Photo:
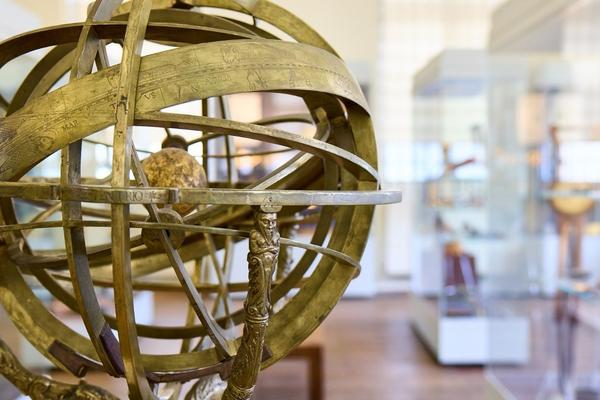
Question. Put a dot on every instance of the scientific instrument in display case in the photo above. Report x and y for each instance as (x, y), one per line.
(461, 252)
(166, 210)
(555, 130)
(564, 361)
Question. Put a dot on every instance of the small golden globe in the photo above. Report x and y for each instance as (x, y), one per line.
(173, 167)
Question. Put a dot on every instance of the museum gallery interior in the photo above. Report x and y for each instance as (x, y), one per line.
(300, 199)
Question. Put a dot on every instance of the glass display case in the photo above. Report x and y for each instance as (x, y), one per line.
(555, 134)
(450, 118)
(504, 146)
(565, 328)
(460, 248)
(505, 154)
(565, 347)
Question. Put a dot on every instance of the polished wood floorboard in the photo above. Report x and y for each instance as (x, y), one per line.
(371, 353)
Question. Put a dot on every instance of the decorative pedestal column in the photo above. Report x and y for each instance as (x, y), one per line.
(262, 262)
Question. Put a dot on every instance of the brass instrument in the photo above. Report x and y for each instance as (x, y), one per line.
(187, 217)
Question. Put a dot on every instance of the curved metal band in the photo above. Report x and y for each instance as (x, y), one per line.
(126, 89)
(166, 79)
(273, 14)
(44, 328)
(179, 17)
(326, 150)
(139, 195)
(69, 33)
(181, 227)
(59, 58)
(101, 336)
(57, 62)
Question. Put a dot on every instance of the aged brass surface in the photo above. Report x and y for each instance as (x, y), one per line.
(329, 182)
(39, 387)
(262, 262)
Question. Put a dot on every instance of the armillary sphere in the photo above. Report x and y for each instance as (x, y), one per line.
(173, 210)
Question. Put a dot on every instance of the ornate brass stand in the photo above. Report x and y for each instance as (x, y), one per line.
(262, 262)
(40, 387)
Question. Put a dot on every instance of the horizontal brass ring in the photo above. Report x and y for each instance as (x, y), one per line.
(138, 195)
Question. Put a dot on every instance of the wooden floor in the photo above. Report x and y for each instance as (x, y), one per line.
(371, 353)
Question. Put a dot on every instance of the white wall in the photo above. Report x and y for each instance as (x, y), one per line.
(44, 13)
(528, 25)
(350, 26)
(16, 18)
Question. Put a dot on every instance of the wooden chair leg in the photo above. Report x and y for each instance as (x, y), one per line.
(314, 357)
(316, 374)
